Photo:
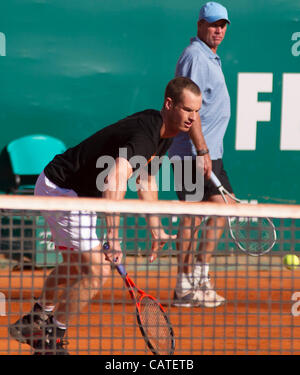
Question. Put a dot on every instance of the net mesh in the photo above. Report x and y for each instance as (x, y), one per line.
(259, 314)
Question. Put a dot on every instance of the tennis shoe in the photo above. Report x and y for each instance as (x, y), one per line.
(207, 296)
(184, 300)
(51, 347)
(29, 328)
(52, 343)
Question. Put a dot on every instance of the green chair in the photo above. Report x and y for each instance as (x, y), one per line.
(28, 156)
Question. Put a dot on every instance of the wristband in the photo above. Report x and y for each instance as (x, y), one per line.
(202, 152)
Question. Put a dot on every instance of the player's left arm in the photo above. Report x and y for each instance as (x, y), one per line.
(148, 191)
(195, 68)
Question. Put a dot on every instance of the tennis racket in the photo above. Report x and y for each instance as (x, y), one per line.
(253, 235)
(152, 319)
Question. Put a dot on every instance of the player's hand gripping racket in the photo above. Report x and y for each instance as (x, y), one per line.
(253, 235)
(152, 319)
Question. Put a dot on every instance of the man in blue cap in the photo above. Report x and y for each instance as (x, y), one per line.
(200, 62)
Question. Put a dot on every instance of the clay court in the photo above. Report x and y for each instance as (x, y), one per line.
(257, 318)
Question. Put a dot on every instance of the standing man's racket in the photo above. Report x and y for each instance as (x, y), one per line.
(151, 317)
(253, 235)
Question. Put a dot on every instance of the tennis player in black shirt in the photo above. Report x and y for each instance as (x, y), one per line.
(82, 172)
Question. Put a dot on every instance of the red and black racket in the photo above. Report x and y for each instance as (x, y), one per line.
(151, 317)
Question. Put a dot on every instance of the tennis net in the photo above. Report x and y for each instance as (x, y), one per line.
(260, 312)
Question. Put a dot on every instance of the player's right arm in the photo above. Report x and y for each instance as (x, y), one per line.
(116, 186)
(197, 137)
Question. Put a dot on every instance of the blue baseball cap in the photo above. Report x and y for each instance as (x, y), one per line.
(212, 12)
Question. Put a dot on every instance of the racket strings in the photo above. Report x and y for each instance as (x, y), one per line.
(155, 326)
(254, 235)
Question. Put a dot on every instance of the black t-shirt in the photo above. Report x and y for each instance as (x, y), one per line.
(138, 134)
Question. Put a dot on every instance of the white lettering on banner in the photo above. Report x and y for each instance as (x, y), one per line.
(249, 109)
(290, 119)
(296, 46)
(2, 44)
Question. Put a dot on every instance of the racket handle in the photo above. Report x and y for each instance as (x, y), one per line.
(121, 269)
(215, 180)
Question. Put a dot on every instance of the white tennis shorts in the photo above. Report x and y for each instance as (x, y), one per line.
(75, 230)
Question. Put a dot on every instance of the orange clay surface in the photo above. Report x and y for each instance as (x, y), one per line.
(256, 318)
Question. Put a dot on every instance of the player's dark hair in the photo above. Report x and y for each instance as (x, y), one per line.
(177, 85)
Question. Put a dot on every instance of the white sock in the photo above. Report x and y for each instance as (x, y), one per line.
(200, 274)
(58, 324)
(46, 308)
(49, 309)
(183, 283)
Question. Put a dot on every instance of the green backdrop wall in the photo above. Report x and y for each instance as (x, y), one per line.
(68, 68)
